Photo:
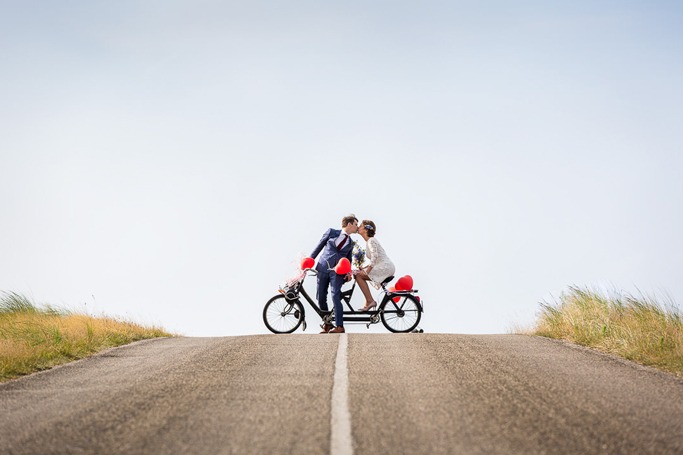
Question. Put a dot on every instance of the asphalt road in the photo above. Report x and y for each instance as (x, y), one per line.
(408, 393)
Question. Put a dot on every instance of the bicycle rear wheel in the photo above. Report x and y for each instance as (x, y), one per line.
(281, 315)
(401, 316)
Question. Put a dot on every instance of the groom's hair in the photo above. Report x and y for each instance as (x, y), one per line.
(349, 219)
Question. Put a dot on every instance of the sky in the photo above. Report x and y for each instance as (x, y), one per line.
(170, 162)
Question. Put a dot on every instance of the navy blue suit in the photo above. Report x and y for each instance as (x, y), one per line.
(326, 274)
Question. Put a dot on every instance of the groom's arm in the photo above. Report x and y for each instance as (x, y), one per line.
(321, 244)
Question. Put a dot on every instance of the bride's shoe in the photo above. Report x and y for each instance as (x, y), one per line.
(369, 306)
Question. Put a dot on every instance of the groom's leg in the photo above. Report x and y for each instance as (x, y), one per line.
(337, 281)
(321, 292)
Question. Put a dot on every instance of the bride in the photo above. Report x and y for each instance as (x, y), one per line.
(380, 267)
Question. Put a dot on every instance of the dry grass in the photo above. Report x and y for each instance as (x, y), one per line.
(34, 339)
(636, 328)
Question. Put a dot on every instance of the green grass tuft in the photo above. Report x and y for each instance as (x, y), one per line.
(636, 328)
(34, 338)
(11, 302)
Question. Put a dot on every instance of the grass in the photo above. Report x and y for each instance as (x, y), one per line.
(34, 338)
(640, 329)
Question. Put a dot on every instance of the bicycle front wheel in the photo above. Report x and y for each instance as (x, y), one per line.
(283, 316)
(401, 316)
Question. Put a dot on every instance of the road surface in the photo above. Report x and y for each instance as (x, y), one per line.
(386, 393)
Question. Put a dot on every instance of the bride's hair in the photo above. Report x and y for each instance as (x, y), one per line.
(369, 226)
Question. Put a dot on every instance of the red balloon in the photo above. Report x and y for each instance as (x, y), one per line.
(343, 266)
(307, 263)
(405, 283)
(395, 299)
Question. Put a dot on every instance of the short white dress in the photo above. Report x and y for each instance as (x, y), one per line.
(382, 267)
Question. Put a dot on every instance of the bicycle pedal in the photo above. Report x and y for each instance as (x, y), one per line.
(303, 326)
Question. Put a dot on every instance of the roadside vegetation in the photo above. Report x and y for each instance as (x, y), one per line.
(34, 338)
(640, 329)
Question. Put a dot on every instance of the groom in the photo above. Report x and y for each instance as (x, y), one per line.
(335, 244)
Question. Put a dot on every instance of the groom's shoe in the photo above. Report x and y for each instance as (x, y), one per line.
(337, 330)
(326, 328)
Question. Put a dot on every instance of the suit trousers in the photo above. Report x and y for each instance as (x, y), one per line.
(330, 278)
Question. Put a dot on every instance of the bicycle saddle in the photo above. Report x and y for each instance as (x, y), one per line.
(388, 279)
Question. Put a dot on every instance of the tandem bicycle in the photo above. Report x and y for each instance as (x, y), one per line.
(399, 311)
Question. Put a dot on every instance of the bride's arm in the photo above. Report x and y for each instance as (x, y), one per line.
(372, 254)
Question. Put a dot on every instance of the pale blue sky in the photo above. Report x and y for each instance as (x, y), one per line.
(174, 159)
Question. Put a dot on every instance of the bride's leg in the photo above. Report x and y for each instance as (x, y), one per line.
(361, 279)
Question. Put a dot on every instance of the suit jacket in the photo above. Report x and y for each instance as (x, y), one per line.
(331, 255)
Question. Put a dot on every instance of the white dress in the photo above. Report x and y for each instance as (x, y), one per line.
(382, 267)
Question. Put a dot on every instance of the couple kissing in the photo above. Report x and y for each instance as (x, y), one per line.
(336, 244)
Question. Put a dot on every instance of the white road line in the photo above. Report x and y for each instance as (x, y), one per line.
(341, 442)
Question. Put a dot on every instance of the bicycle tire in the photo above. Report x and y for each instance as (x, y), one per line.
(281, 315)
(402, 316)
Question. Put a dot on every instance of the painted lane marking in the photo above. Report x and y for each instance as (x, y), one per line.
(341, 442)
